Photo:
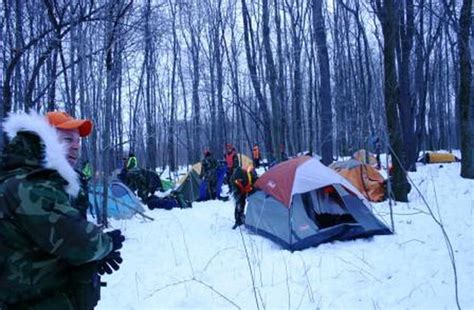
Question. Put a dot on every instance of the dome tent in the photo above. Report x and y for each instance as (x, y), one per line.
(302, 203)
(363, 176)
(121, 203)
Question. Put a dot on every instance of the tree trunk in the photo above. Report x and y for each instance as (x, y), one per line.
(150, 104)
(298, 121)
(214, 144)
(272, 80)
(281, 75)
(466, 101)
(107, 116)
(405, 104)
(256, 83)
(195, 50)
(19, 43)
(420, 82)
(325, 84)
(171, 126)
(222, 135)
(388, 20)
(52, 68)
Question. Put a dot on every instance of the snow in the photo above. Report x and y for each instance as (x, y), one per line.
(192, 259)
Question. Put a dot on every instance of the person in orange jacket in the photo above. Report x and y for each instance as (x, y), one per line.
(232, 161)
(242, 182)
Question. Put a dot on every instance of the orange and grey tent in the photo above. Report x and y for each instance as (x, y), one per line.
(366, 178)
(365, 157)
(302, 203)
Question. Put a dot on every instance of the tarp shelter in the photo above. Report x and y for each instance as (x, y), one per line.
(302, 203)
(364, 177)
(365, 157)
(438, 158)
(122, 202)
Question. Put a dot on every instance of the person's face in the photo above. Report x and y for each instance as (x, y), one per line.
(72, 140)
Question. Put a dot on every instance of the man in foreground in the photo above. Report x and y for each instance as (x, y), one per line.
(49, 253)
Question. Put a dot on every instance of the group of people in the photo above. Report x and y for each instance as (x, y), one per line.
(239, 179)
(51, 257)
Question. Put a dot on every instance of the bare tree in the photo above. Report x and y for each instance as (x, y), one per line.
(150, 104)
(252, 66)
(466, 101)
(272, 80)
(388, 19)
(171, 123)
(324, 83)
(405, 103)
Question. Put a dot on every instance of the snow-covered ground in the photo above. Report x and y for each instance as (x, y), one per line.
(192, 259)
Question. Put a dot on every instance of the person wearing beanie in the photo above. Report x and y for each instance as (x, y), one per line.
(209, 173)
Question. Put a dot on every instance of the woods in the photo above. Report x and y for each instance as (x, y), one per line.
(166, 78)
(239, 153)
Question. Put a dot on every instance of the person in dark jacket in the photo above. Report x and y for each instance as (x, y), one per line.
(377, 147)
(209, 173)
(283, 155)
(242, 182)
(256, 155)
(144, 183)
(49, 253)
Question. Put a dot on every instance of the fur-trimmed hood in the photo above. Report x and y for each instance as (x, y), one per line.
(55, 152)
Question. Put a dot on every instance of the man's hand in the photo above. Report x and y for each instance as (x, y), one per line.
(110, 263)
(117, 239)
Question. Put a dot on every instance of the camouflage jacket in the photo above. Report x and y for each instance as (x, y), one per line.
(143, 182)
(209, 167)
(44, 241)
(81, 201)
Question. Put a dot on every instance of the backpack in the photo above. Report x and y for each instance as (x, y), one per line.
(166, 203)
(169, 202)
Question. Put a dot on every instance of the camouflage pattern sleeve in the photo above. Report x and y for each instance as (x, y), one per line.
(56, 227)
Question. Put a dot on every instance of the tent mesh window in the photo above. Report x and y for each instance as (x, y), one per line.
(326, 208)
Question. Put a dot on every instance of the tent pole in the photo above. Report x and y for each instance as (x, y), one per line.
(290, 211)
(389, 189)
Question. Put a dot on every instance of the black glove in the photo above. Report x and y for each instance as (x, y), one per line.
(117, 238)
(111, 261)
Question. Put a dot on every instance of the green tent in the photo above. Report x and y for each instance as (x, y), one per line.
(167, 184)
(189, 188)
